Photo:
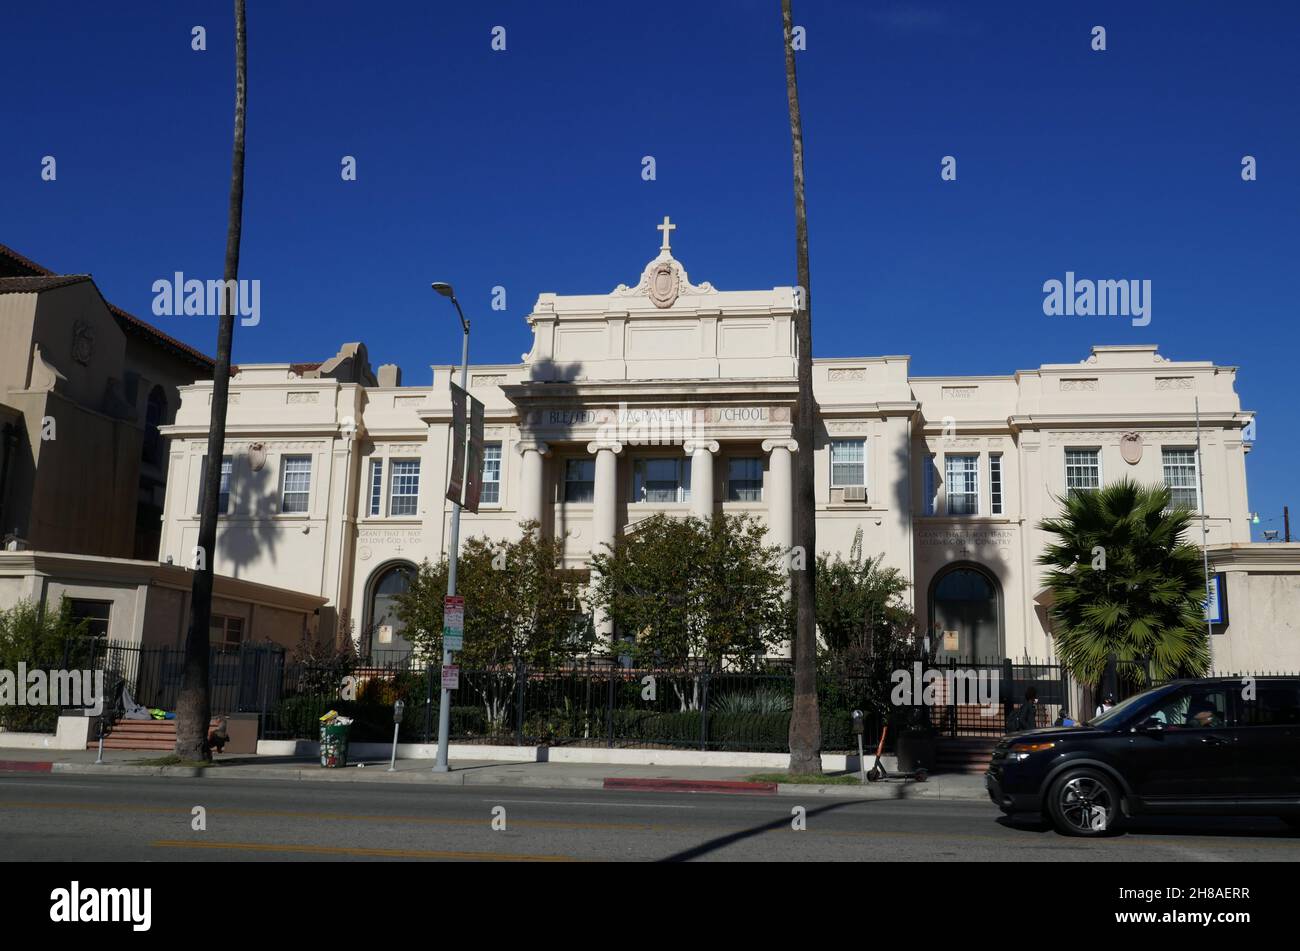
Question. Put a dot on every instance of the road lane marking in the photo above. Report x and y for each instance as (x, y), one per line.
(344, 850)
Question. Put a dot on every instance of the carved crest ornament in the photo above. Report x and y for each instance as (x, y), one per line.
(664, 279)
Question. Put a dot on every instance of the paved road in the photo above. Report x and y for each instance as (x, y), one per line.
(61, 818)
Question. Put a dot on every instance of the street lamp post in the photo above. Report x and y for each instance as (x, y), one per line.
(444, 708)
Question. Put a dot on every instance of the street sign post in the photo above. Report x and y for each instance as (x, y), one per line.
(450, 677)
(453, 623)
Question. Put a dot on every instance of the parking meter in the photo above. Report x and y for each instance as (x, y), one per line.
(860, 727)
(398, 709)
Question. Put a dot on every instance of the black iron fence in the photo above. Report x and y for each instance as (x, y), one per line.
(596, 703)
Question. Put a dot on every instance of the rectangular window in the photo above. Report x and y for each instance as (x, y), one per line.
(661, 480)
(1182, 478)
(295, 484)
(403, 486)
(225, 631)
(1082, 470)
(995, 484)
(376, 486)
(491, 474)
(962, 475)
(96, 614)
(579, 480)
(745, 480)
(929, 489)
(848, 463)
(223, 493)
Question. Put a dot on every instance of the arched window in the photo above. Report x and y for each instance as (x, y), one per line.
(966, 613)
(384, 626)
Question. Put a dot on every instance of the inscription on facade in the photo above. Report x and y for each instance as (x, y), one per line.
(958, 538)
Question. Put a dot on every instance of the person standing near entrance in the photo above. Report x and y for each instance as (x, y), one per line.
(1026, 716)
(1105, 705)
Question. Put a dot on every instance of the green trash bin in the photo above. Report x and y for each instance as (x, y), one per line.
(334, 745)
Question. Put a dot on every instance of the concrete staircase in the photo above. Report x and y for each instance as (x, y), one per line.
(142, 735)
(964, 754)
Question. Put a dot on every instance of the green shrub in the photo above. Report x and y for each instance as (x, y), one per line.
(763, 701)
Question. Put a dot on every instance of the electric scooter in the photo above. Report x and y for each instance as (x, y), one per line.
(878, 772)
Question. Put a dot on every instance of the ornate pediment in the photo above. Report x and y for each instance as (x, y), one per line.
(663, 281)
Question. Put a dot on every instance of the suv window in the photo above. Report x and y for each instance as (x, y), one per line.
(1200, 706)
(1274, 704)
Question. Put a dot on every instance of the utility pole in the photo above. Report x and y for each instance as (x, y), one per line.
(444, 707)
(1286, 522)
(1205, 549)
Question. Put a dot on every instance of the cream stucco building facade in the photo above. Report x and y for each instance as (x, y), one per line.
(669, 396)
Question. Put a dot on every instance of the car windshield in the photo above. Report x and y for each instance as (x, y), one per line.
(1122, 709)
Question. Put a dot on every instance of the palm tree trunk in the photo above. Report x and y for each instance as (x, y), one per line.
(193, 707)
(805, 722)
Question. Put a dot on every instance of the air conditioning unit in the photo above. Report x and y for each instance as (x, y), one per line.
(855, 493)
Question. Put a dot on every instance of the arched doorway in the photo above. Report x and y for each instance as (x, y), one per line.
(966, 613)
(383, 631)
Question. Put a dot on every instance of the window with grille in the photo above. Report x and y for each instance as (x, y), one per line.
(225, 631)
(848, 463)
(962, 475)
(661, 480)
(579, 480)
(995, 484)
(745, 480)
(491, 474)
(96, 614)
(403, 486)
(223, 492)
(1181, 477)
(295, 484)
(376, 486)
(1082, 470)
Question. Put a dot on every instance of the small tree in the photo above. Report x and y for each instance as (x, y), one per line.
(1125, 584)
(39, 639)
(688, 593)
(867, 628)
(517, 611)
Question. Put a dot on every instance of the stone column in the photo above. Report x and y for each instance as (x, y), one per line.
(780, 501)
(701, 452)
(532, 488)
(604, 514)
(780, 490)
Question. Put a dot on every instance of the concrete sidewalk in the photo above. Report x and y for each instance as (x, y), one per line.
(734, 780)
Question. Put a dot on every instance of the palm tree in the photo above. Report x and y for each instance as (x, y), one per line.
(805, 724)
(193, 707)
(1126, 585)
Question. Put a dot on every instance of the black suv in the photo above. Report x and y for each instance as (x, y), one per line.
(1223, 746)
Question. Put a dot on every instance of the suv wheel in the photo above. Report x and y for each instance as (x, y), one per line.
(1083, 802)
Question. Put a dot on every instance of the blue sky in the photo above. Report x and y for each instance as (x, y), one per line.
(523, 169)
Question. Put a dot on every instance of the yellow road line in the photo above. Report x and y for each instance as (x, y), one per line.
(343, 850)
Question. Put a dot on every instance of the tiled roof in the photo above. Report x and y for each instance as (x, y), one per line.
(128, 322)
(26, 264)
(34, 285)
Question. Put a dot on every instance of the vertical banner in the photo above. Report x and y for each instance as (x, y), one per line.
(474, 485)
(454, 486)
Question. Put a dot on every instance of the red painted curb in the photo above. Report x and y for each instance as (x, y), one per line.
(24, 766)
(692, 785)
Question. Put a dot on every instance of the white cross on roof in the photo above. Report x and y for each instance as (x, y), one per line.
(667, 227)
